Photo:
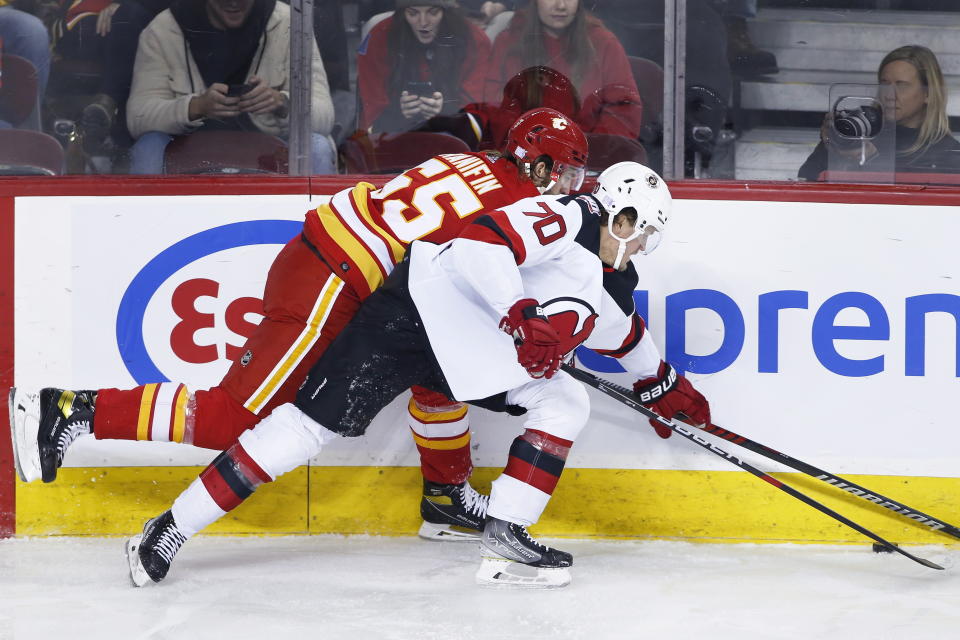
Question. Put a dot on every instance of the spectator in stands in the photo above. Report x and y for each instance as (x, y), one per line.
(564, 36)
(219, 64)
(119, 24)
(424, 61)
(924, 141)
(25, 35)
(73, 28)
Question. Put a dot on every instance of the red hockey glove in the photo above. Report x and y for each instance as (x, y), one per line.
(668, 394)
(538, 345)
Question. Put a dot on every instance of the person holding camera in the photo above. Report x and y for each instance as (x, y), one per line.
(424, 61)
(220, 65)
(924, 141)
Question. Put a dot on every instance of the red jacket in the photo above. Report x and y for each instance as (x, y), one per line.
(609, 100)
(374, 65)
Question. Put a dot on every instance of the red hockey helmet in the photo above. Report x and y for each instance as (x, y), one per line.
(546, 132)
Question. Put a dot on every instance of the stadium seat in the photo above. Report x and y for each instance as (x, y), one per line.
(372, 22)
(19, 90)
(226, 152)
(649, 78)
(24, 152)
(393, 153)
(607, 149)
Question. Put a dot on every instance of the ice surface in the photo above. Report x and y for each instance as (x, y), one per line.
(363, 587)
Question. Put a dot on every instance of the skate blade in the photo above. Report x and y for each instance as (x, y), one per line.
(453, 533)
(503, 573)
(24, 410)
(138, 575)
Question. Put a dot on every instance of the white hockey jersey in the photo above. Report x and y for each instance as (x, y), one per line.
(546, 248)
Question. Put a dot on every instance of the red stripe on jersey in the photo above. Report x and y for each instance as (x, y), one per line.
(495, 228)
(637, 329)
(370, 254)
(381, 232)
(529, 474)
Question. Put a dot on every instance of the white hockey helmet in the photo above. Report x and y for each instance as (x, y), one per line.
(630, 184)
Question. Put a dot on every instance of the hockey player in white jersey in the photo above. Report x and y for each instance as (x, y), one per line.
(486, 318)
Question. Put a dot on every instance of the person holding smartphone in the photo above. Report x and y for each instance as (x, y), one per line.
(220, 65)
(424, 61)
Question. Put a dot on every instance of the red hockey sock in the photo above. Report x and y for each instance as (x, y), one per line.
(149, 412)
(443, 440)
(537, 459)
(232, 477)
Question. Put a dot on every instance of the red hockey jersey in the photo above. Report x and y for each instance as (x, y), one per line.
(363, 232)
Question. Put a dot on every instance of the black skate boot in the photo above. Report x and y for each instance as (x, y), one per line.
(510, 557)
(44, 425)
(64, 415)
(151, 552)
(452, 511)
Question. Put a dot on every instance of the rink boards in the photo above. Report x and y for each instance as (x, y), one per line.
(825, 329)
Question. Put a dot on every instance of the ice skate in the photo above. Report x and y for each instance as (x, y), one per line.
(452, 512)
(24, 409)
(509, 557)
(151, 552)
(63, 416)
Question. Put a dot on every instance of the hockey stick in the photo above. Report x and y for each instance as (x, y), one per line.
(833, 480)
(852, 488)
(625, 397)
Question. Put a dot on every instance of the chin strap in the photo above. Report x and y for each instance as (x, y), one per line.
(622, 248)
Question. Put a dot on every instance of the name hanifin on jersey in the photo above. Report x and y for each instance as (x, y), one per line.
(470, 166)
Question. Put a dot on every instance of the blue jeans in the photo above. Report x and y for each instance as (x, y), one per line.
(146, 155)
(24, 35)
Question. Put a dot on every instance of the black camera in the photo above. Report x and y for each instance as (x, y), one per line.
(861, 122)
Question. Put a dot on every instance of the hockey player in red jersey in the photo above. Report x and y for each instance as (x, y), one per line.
(315, 285)
(485, 318)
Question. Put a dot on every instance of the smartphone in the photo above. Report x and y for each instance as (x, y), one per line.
(236, 90)
(419, 88)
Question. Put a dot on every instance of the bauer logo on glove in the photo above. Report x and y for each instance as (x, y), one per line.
(651, 393)
(669, 394)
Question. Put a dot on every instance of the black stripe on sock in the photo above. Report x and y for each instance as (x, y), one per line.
(229, 470)
(525, 451)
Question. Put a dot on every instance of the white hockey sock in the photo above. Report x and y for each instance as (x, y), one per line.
(281, 442)
(516, 501)
(195, 509)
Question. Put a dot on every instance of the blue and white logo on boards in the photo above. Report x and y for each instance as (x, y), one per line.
(133, 310)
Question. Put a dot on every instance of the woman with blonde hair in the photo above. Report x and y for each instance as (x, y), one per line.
(924, 141)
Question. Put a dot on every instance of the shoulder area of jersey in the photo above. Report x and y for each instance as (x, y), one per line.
(587, 202)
